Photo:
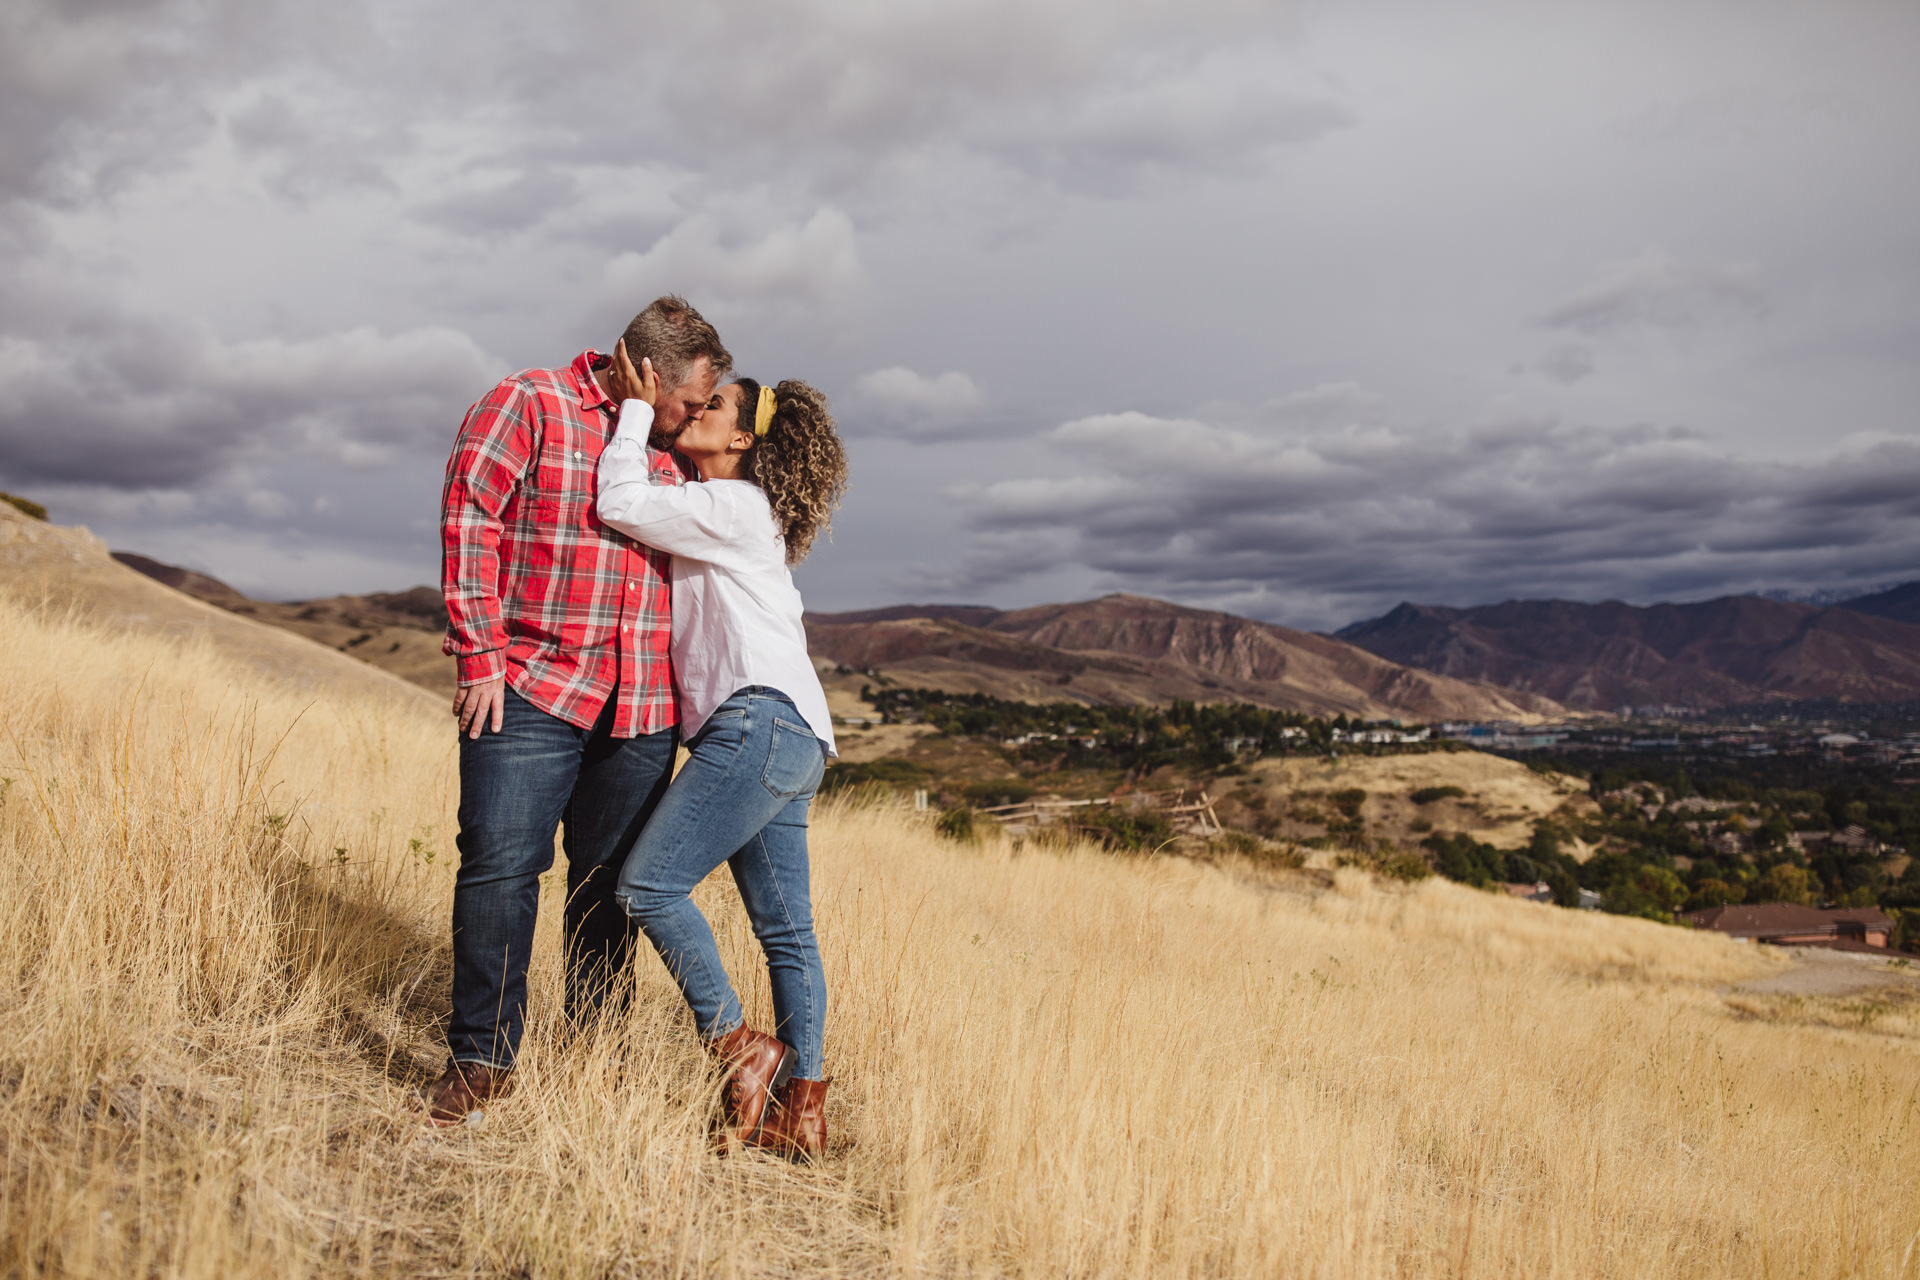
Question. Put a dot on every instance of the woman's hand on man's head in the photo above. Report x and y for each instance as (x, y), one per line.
(629, 383)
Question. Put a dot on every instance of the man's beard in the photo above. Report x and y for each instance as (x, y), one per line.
(664, 438)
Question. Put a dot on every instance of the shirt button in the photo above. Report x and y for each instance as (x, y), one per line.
(578, 455)
(633, 586)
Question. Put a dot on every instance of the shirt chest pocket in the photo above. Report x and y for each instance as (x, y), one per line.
(563, 470)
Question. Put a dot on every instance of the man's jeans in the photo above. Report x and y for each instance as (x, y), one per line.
(740, 799)
(516, 786)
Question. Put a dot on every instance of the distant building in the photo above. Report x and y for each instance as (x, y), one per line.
(1853, 839)
(1787, 924)
(1539, 892)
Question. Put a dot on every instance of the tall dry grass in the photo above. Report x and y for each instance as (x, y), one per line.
(223, 955)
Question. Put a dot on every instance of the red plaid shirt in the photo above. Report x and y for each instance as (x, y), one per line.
(537, 588)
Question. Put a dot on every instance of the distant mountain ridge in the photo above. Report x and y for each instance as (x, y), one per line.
(1521, 660)
(1120, 649)
(1901, 603)
(1714, 653)
(1123, 648)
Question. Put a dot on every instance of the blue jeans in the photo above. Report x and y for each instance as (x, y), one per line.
(516, 787)
(740, 799)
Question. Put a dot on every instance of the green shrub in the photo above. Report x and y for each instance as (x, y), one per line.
(956, 823)
(1237, 842)
(1427, 795)
(26, 506)
(1267, 853)
(1129, 830)
(1462, 858)
(997, 792)
(888, 771)
(1388, 860)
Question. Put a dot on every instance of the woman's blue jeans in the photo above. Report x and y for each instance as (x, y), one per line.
(741, 799)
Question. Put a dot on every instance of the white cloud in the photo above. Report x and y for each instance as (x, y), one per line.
(898, 397)
(807, 263)
(1327, 404)
(1656, 292)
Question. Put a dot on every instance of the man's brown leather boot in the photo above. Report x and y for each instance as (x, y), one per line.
(796, 1124)
(463, 1090)
(756, 1064)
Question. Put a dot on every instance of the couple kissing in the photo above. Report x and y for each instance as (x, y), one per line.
(617, 539)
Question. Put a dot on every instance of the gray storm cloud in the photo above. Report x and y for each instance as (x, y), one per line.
(1337, 304)
(1340, 524)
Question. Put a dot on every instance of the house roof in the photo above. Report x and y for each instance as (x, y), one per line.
(1769, 919)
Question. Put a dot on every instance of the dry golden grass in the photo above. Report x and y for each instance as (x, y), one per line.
(1503, 797)
(1048, 1064)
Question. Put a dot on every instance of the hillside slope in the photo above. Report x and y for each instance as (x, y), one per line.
(67, 568)
(1123, 648)
(228, 968)
(1716, 653)
(397, 631)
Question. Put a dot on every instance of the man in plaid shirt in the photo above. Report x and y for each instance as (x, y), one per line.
(566, 704)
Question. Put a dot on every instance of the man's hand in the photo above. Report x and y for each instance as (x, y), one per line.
(476, 704)
(628, 383)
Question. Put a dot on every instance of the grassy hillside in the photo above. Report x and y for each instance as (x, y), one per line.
(223, 955)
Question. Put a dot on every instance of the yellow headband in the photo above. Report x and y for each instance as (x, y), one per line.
(763, 412)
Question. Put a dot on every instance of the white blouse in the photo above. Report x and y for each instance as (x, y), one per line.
(736, 612)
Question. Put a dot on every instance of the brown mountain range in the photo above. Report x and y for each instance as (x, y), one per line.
(1717, 653)
(1124, 648)
(1520, 660)
(1901, 603)
(1121, 649)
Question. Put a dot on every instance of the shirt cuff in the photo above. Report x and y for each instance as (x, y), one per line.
(636, 419)
(478, 668)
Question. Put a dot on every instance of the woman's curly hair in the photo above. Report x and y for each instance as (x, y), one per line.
(799, 462)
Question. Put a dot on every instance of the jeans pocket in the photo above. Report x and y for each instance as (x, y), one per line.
(795, 761)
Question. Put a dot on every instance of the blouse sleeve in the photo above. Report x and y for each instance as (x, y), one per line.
(698, 521)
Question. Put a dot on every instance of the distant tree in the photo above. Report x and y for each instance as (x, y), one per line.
(1713, 892)
(1785, 882)
(1462, 858)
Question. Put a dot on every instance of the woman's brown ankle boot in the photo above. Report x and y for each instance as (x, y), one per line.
(796, 1124)
(756, 1064)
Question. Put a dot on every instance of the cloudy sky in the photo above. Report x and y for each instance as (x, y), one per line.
(1295, 311)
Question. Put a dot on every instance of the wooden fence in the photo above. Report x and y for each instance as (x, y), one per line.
(1190, 810)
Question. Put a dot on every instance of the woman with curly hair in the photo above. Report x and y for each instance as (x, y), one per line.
(753, 718)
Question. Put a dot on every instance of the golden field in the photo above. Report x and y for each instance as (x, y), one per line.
(223, 955)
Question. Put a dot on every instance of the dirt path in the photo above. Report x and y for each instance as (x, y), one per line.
(1818, 971)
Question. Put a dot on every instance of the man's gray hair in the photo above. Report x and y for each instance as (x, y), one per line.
(674, 336)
